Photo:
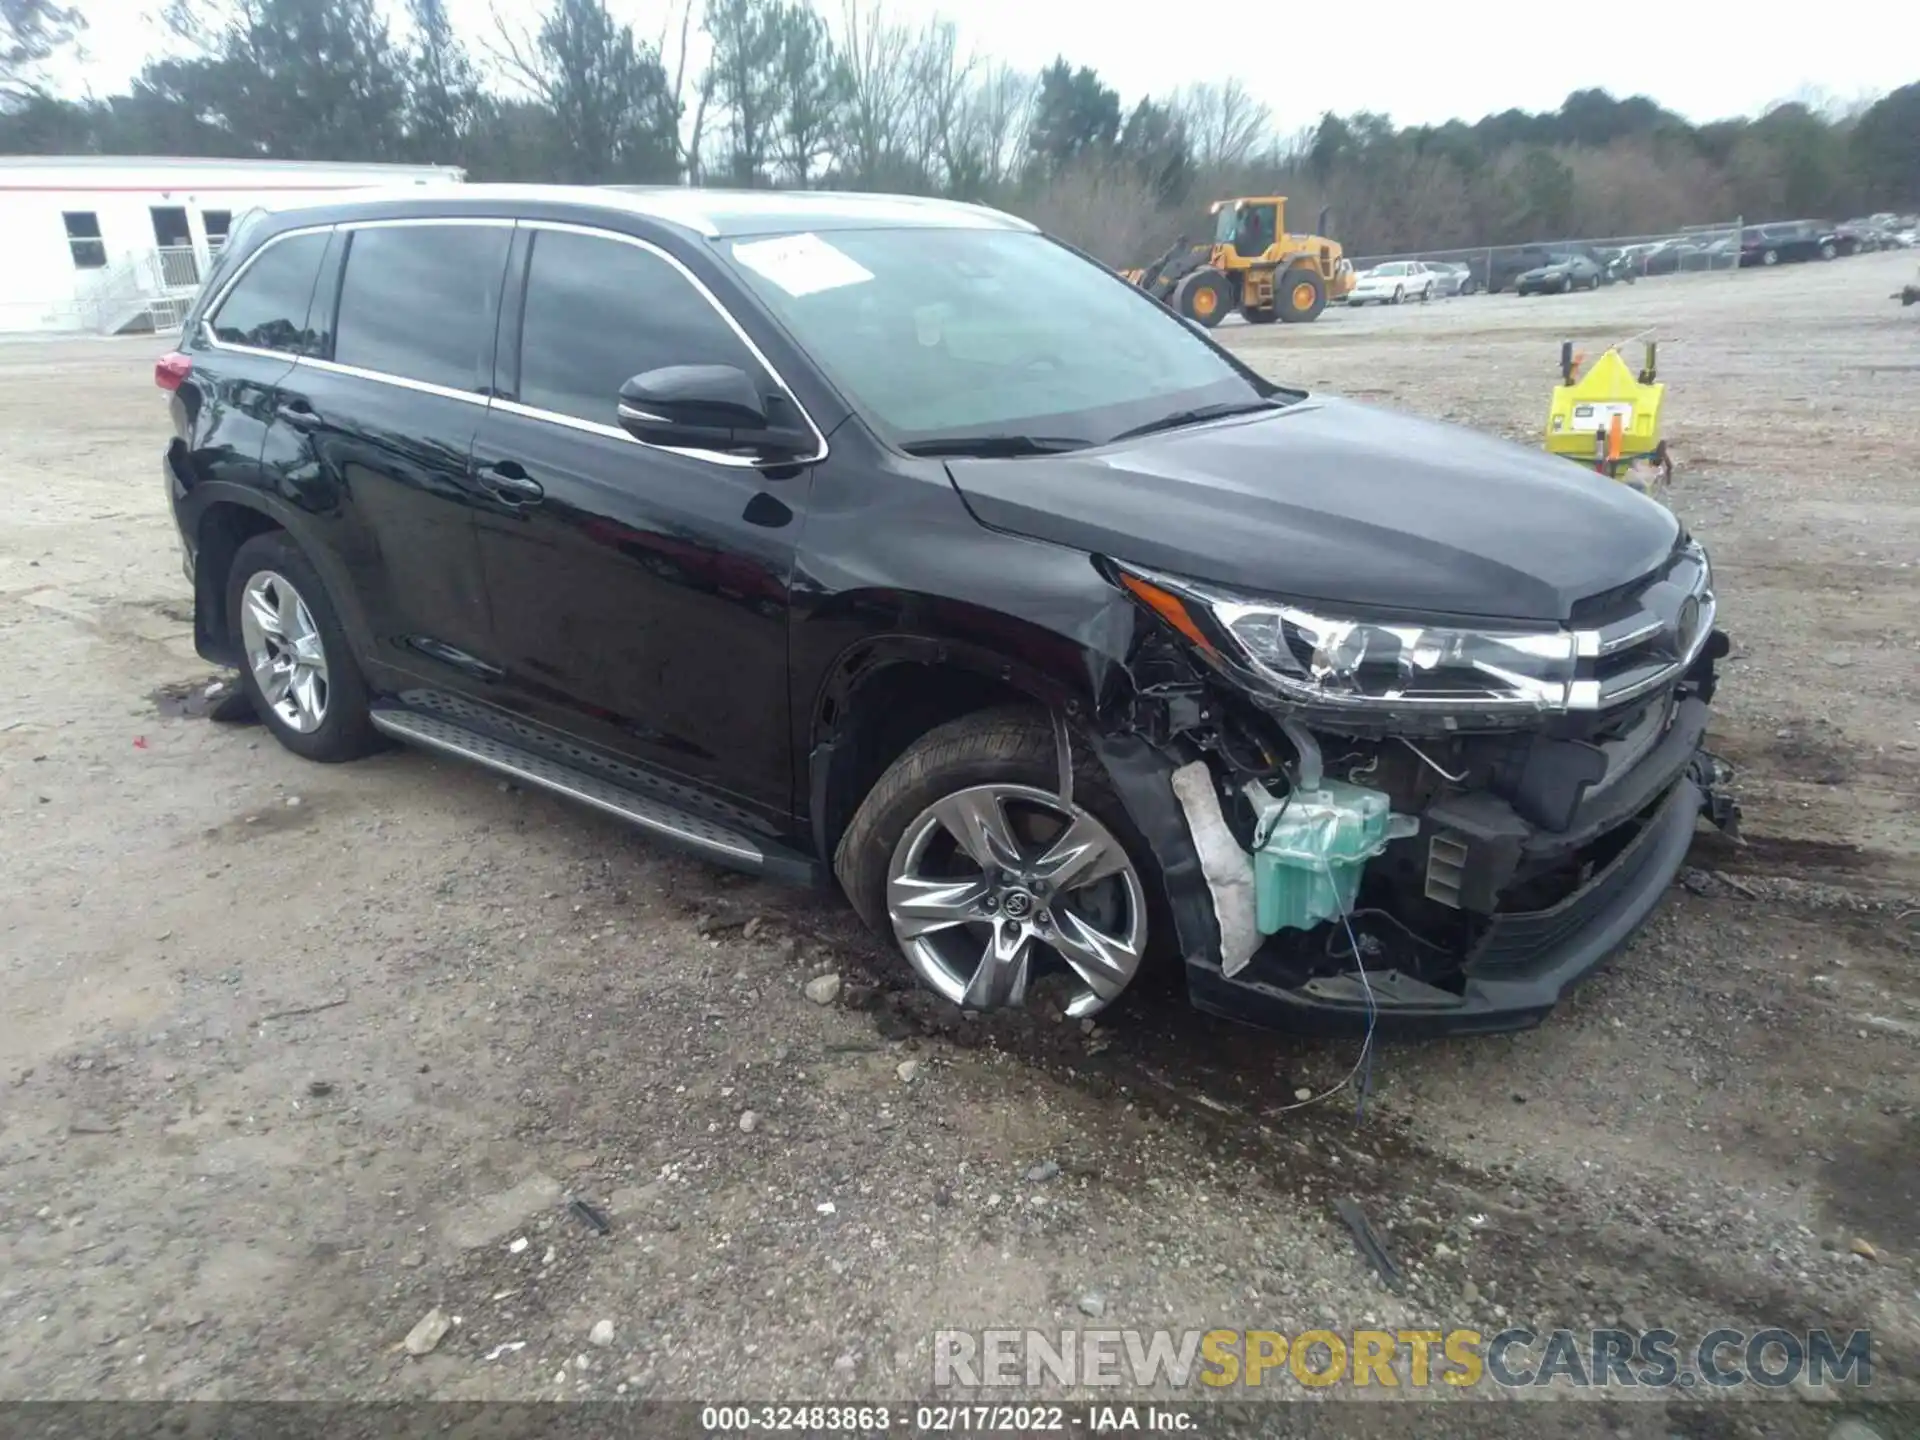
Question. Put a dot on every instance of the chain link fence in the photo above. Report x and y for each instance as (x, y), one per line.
(1494, 268)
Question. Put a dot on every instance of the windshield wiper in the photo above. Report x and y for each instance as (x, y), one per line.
(995, 446)
(1194, 416)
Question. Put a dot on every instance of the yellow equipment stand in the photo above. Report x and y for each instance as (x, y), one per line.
(1610, 418)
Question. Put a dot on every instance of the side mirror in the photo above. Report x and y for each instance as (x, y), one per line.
(705, 407)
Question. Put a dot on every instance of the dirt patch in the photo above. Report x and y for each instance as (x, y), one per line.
(215, 696)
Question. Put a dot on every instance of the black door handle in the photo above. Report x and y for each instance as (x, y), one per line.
(508, 480)
(299, 414)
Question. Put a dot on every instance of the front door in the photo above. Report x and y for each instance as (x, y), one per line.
(373, 433)
(639, 595)
(173, 242)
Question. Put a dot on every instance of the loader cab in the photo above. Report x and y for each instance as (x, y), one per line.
(1249, 226)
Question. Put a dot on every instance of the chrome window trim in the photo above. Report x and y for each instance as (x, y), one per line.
(593, 427)
(512, 407)
(424, 387)
(614, 432)
(497, 222)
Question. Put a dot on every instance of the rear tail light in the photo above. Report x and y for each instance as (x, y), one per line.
(171, 369)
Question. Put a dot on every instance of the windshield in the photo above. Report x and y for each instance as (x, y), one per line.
(1223, 224)
(942, 334)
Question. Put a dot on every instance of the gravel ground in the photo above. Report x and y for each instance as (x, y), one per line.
(293, 1054)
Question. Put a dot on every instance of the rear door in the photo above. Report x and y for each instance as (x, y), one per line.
(254, 329)
(639, 595)
(373, 434)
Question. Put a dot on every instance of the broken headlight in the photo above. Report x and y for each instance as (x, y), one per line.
(1322, 662)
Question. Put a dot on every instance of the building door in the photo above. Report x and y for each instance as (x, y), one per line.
(216, 223)
(179, 268)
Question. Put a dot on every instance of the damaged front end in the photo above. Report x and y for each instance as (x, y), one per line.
(1435, 826)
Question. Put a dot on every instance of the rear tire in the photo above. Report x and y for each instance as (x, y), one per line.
(1006, 749)
(1204, 296)
(1299, 295)
(294, 643)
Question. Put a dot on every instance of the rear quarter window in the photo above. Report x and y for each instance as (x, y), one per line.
(267, 307)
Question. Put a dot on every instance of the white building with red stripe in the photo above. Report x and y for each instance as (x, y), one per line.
(105, 243)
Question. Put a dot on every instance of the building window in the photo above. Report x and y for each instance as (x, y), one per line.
(170, 230)
(83, 240)
(218, 223)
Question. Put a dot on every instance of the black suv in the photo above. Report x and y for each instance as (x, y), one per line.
(888, 541)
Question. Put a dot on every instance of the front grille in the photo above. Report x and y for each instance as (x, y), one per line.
(1634, 640)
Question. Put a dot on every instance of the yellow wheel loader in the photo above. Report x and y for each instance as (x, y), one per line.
(1252, 265)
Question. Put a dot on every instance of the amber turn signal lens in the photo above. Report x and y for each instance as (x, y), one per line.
(1169, 607)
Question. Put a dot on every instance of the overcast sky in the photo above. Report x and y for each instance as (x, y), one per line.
(1419, 63)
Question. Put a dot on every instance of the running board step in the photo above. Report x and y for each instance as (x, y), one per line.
(705, 837)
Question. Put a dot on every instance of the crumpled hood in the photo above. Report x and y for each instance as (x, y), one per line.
(1338, 502)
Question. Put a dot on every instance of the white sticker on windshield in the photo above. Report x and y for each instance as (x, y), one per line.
(801, 264)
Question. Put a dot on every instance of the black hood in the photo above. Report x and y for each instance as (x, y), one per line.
(1334, 501)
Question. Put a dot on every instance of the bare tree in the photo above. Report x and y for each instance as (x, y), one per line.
(989, 132)
(703, 84)
(1225, 123)
(878, 81)
(1103, 204)
(939, 74)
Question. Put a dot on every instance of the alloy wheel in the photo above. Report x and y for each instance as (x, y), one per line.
(993, 885)
(284, 651)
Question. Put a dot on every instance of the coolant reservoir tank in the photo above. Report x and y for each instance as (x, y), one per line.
(1310, 849)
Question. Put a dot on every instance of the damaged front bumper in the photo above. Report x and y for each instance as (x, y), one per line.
(1521, 968)
(1488, 946)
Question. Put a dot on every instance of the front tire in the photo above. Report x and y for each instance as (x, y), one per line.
(296, 665)
(1770, 257)
(988, 882)
(1204, 295)
(1299, 295)
(1399, 294)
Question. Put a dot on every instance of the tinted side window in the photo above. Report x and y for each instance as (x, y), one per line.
(599, 312)
(267, 309)
(419, 301)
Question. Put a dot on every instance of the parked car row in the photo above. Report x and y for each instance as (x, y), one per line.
(1401, 280)
(1558, 269)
